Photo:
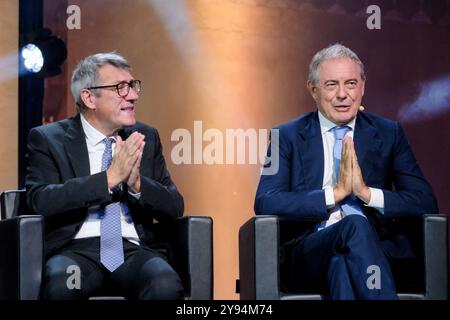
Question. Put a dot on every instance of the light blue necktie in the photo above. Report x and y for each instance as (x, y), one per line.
(111, 246)
(349, 205)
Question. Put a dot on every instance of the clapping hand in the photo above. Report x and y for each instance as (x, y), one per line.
(350, 176)
(126, 162)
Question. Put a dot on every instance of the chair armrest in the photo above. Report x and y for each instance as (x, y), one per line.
(13, 203)
(191, 240)
(21, 257)
(258, 259)
(436, 256)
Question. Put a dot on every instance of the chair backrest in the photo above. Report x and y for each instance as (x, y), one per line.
(423, 277)
(13, 203)
(191, 240)
(20, 267)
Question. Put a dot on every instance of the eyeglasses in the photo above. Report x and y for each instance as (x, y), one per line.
(122, 88)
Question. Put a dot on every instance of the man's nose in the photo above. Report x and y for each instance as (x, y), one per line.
(341, 92)
(132, 95)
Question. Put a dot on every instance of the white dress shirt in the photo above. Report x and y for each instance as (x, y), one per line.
(329, 176)
(91, 225)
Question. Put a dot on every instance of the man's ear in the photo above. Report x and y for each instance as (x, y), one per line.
(312, 89)
(88, 98)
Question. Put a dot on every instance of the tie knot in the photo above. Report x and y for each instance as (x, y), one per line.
(107, 154)
(339, 132)
(108, 142)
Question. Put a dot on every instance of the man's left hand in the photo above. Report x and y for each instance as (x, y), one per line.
(134, 180)
(358, 185)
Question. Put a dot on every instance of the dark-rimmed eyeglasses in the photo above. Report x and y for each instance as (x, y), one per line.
(122, 88)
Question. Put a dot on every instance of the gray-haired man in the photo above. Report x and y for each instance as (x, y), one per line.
(100, 179)
(346, 171)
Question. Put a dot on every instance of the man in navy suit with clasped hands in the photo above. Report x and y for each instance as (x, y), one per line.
(347, 171)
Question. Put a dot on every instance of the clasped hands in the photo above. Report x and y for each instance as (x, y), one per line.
(350, 176)
(126, 163)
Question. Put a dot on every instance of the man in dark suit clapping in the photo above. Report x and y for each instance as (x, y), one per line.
(100, 179)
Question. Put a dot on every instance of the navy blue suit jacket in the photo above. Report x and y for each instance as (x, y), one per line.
(384, 155)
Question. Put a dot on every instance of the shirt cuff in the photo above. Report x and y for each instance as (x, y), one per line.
(329, 197)
(376, 199)
(135, 195)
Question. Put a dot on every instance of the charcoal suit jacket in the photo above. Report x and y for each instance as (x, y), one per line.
(60, 187)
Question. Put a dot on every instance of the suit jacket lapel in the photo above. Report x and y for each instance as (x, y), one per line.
(367, 144)
(311, 150)
(124, 133)
(76, 148)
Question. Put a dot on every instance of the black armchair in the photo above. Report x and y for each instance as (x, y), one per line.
(259, 265)
(21, 251)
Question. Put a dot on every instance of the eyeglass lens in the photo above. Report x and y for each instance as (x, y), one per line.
(124, 87)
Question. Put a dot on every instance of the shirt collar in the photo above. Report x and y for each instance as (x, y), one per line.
(326, 125)
(93, 136)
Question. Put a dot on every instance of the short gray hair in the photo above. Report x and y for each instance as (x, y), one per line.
(86, 73)
(336, 50)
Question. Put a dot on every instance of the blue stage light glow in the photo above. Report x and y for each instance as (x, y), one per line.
(432, 100)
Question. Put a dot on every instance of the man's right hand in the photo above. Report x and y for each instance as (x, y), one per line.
(343, 187)
(125, 157)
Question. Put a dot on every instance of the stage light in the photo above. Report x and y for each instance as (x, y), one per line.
(43, 53)
(32, 58)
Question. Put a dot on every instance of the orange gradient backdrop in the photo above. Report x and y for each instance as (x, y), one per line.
(235, 64)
